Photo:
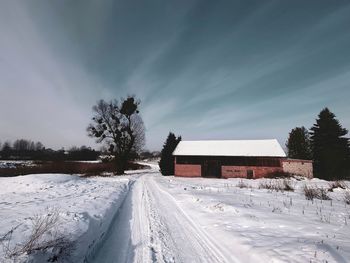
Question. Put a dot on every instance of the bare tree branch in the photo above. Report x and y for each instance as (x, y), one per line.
(119, 127)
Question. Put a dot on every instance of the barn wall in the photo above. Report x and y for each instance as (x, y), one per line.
(241, 171)
(299, 167)
(188, 170)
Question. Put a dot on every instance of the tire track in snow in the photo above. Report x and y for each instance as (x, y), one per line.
(151, 227)
(191, 243)
(161, 245)
(134, 233)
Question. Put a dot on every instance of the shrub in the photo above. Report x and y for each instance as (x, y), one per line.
(44, 238)
(323, 194)
(242, 184)
(310, 193)
(277, 185)
(314, 192)
(336, 184)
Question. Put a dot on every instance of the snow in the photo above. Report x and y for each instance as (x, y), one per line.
(272, 226)
(86, 205)
(145, 217)
(256, 148)
(91, 161)
(16, 163)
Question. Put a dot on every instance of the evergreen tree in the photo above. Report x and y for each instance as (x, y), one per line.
(298, 144)
(166, 163)
(331, 152)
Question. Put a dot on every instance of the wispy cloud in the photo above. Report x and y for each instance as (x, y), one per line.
(204, 69)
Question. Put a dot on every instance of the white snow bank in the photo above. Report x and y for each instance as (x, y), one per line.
(86, 205)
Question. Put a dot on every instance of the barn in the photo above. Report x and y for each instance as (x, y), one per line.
(236, 158)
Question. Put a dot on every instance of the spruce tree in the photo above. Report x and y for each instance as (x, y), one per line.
(298, 144)
(166, 163)
(331, 152)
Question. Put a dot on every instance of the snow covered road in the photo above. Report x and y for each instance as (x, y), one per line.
(161, 230)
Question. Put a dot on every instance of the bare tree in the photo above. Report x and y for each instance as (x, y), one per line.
(21, 145)
(39, 146)
(120, 127)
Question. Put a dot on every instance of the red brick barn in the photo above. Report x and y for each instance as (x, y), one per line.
(235, 158)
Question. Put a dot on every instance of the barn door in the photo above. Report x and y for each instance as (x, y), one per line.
(212, 168)
(250, 174)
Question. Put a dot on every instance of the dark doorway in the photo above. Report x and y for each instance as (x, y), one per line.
(211, 168)
(250, 174)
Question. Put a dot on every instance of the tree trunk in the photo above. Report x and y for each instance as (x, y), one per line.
(121, 165)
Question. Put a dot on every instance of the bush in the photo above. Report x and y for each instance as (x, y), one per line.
(44, 238)
(336, 184)
(314, 192)
(310, 193)
(323, 194)
(242, 184)
(277, 185)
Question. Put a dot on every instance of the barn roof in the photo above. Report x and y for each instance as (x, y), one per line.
(253, 148)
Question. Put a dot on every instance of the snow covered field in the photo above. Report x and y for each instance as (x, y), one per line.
(144, 217)
(257, 225)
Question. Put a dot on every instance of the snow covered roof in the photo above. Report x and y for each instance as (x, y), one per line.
(253, 148)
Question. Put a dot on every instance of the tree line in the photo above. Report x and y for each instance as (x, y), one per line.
(23, 149)
(324, 143)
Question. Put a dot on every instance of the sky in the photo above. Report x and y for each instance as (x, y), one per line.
(203, 69)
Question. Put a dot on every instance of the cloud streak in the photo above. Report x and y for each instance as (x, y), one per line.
(203, 69)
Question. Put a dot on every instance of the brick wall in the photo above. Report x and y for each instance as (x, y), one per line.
(188, 170)
(299, 167)
(241, 171)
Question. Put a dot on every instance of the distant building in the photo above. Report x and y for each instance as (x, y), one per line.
(236, 158)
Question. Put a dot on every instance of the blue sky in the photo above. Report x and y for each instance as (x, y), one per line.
(203, 69)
